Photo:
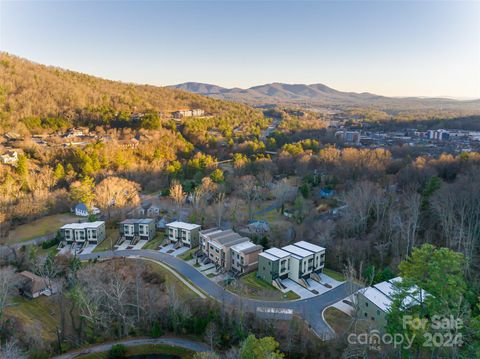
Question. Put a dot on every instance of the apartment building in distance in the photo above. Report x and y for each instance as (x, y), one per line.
(229, 250)
(183, 234)
(82, 234)
(300, 262)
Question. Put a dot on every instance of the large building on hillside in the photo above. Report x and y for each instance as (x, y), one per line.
(299, 262)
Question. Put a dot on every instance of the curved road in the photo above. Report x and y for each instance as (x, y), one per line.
(101, 348)
(309, 309)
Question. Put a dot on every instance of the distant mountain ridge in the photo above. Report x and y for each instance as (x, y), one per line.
(321, 95)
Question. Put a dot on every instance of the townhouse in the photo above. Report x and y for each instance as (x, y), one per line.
(82, 234)
(244, 257)
(229, 250)
(137, 229)
(183, 234)
(374, 302)
(299, 262)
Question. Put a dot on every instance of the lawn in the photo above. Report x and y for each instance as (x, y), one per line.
(251, 286)
(333, 274)
(147, 349)
(40, 227)
(110, 240)
(155, 242)
(188, 255)
(40, 314)
(338, 320)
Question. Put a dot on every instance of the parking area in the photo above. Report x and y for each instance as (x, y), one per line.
(170, 249)
(89, 249)
(74, 250)
(315, 288)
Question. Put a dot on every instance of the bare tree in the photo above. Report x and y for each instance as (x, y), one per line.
(211, 334)
(177, 195)
(11, 350)
(115, 192)
(6, 285)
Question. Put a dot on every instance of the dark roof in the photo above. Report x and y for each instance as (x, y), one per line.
(253, 249)
(34, 283)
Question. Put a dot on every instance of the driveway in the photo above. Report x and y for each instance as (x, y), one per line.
(309, 309)
(178, 342)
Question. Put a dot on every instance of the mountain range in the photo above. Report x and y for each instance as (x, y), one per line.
(319, 95)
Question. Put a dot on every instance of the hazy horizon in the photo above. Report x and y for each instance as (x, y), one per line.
(396, 49)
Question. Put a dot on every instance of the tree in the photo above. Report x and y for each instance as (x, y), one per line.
(263, 348)
(6, 285)
(432, 285)
(177, 195)
(22, 169)
(211, 334)
(217, 176)
(10, 350)
(117, 351)
(116, 192)
(83, 191)
(59, 173)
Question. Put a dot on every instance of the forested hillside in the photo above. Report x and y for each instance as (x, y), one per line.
(34, 95)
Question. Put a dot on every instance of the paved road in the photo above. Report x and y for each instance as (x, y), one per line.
(309, 309)
(178, 342)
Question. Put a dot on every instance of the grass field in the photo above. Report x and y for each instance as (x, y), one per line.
(40, 227)
(40, 314)
(188, 254)
(251, 286)
(155, 242)
(147, 349)
(338, 320)
(110, 239)
(335, 275)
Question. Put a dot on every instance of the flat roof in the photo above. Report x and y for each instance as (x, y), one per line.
(137, 220)
(240, 247)
(83, 225)
(183, 225)
(300, 252)
(378, 298)
(269, 256)
(309, 246)
(275, 254)
(210, 230)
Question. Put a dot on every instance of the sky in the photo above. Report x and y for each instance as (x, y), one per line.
(392, 48)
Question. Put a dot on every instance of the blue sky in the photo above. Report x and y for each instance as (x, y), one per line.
(423, 48)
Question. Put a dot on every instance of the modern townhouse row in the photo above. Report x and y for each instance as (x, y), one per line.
(300, 262)
(78, 235)
(229, 250)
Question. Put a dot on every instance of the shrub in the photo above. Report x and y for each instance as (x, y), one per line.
(117, 351)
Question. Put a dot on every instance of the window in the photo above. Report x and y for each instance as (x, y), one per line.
(366, 304)
(366, 315)
(378, 312)
(372, 318)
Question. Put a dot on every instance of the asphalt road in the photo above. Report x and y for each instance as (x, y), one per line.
(178, 342)
(309, 309)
